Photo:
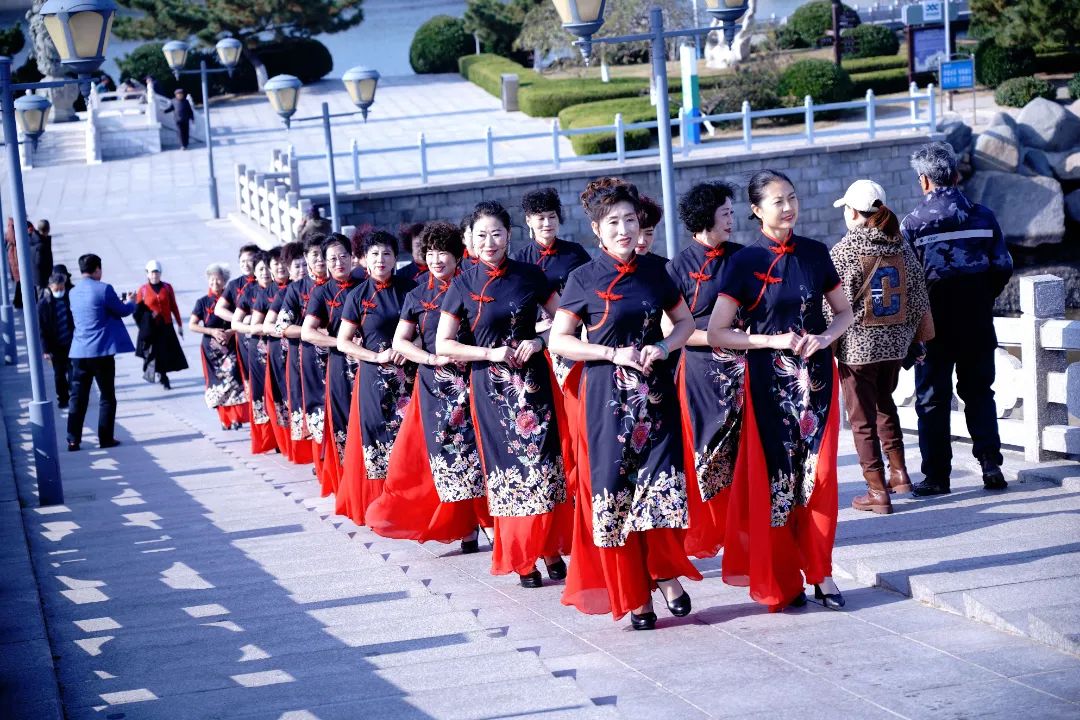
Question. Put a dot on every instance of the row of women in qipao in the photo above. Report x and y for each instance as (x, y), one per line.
(627, 410)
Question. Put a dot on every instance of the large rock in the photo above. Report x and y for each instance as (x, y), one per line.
(997, 148)
(1030, 210)
(1072, 206)
(956, 131)
(1036, 163)
(1066, 164)
(1047, 125)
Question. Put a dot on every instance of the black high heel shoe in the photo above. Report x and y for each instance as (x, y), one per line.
(833, 601)
(556, 570)
(680, 606)
(468, 547)
(644, 621)
(532, 580)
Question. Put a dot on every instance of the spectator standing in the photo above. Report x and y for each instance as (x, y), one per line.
(181, 107)
(883, 280)
(57, 331)
(99, 336)
(43, 262)
(966, 265)
(157, 344)
(38, 258)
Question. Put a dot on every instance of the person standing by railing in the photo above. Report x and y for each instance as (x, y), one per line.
(967, 265)
(181, 108)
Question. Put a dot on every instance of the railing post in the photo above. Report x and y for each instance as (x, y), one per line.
(747, 125)
(933, 107)
(620, 140)
(281, 213)
(808, 103)
(292, 200)
(913, 94)
(252, 195)
(684, 145)
(1042, 298)
(238, 176)
(871, 114)
(555, 143)
(422, 143)
(490, 140)
(355, 164)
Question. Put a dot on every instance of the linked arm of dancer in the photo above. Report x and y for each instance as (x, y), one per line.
(313, 332)
(446, 343)
(722, 334)
(246, 324)
(346, 342)
(195, 325)
(406, 342)
(565, 341)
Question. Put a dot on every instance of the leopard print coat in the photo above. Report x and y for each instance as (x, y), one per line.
(888, 313)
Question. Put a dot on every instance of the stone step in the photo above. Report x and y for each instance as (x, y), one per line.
(1065, 474)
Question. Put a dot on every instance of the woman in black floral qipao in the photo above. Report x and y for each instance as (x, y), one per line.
(781, 519)
(512, 399)
(631, 490)
(224, 384)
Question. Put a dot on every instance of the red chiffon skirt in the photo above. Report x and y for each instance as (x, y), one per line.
(356, 492)
(774, 562)
(330, 474)
(299, 451)
(229, 414)
(522, 540)
(282, 437)
(705, 536)
(617, 579)
(409, 507)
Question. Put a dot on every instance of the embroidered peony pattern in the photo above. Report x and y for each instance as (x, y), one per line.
(715, 451)
(455, 462)
(224, 387)
(655, 500)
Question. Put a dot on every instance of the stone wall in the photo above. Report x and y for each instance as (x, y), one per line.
(821, 173)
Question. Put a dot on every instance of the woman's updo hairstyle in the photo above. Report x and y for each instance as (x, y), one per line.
(882, 219)
(755, 191)
(649, 213)
(542, 201)
(490, 208)
(291, 251)
(602, 194)
(380, 237)
(441, 236)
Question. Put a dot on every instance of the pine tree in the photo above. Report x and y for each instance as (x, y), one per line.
(1031, 23)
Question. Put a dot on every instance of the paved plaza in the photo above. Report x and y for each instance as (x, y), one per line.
(184, 578)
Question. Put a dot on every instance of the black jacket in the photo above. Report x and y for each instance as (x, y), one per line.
(182, 108)
(47, 321)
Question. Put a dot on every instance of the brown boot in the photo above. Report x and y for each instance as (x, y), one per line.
(876, 498)
(899, 481)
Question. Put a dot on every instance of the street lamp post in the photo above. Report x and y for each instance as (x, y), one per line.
(584, 18)
(283, 92)
(80, 31)
(228, 51)
(7, 314)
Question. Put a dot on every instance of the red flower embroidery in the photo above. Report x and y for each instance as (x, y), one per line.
(527, 424)
(640, 435)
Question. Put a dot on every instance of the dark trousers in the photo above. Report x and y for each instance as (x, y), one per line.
(871, 410)
(85, 371)
(184, 127)
(62, 373)
(933, 402)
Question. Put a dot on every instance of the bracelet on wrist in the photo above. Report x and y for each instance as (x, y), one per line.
(663, 346)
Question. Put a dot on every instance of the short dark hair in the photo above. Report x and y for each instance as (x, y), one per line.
(543, 200)
(262, 257)
(490, 208)
(58, 279)
(291, 251)
(336, 239)
(274, 253)
(357, 239)
(380, 237)
(249, 248)
(408, 232)
(755, 190)
(649, 213)
(441, 236)
(314, 241)
(697, 208)
(466, 223)
(89, 264)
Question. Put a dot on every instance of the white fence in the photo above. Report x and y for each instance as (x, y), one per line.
(920, 115)
(270, 200)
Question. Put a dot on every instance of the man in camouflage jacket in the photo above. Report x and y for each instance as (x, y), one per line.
(967, 265)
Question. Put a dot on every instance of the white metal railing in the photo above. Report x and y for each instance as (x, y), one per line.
(1036, 392)
(269, 200)
(921, 115)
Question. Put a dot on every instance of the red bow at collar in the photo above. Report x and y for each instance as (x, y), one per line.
(782, 248)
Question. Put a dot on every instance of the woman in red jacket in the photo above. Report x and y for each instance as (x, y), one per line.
(158, 344)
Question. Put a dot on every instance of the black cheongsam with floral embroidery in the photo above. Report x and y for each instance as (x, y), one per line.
(631, 419)
(513, 407)
(326, 304)
(276, 353)
(384, 390)
(291, 311)
(780, 287)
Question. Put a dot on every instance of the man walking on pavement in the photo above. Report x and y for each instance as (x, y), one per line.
(967, 265)
(99, 335)
(180, 106)
(57, 331)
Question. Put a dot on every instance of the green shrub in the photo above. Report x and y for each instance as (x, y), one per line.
(812, 20)
(820, 79)
(995, 64)
(486, 70)
(872, 41)
(882, 82)
(147, 60)
(787, 39)
(757, 85)
(1018, 92)
(1074, 87)
(547, 98)
(603, 113)
(438, 44)
(873, 64)
(306, 58)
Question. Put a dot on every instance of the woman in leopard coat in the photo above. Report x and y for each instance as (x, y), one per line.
(884, 282)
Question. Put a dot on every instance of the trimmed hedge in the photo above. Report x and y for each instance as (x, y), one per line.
(1074, 87)
(603, 113)
(872, 41)
(438, 44)
(485, 70)
(995, 64)
(881, 82)
(873, 64)
(547, 98)
(820, 79)
(812, 20)
(1018, 92)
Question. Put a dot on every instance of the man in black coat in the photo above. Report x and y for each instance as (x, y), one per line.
(184, 115)
(57, 330)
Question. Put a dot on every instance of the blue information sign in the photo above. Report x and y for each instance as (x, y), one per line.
(958, 74)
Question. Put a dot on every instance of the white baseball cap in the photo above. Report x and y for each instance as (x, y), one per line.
(861, 195)
(153, 265)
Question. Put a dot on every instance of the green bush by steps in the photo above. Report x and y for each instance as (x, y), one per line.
(1019, 91)
(872, 41)
(594, 114)
(438, 44)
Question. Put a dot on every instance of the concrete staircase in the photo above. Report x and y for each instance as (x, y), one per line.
(62, 144)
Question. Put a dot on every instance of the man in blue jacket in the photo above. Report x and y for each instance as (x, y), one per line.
(967, 265)
(99, 335)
